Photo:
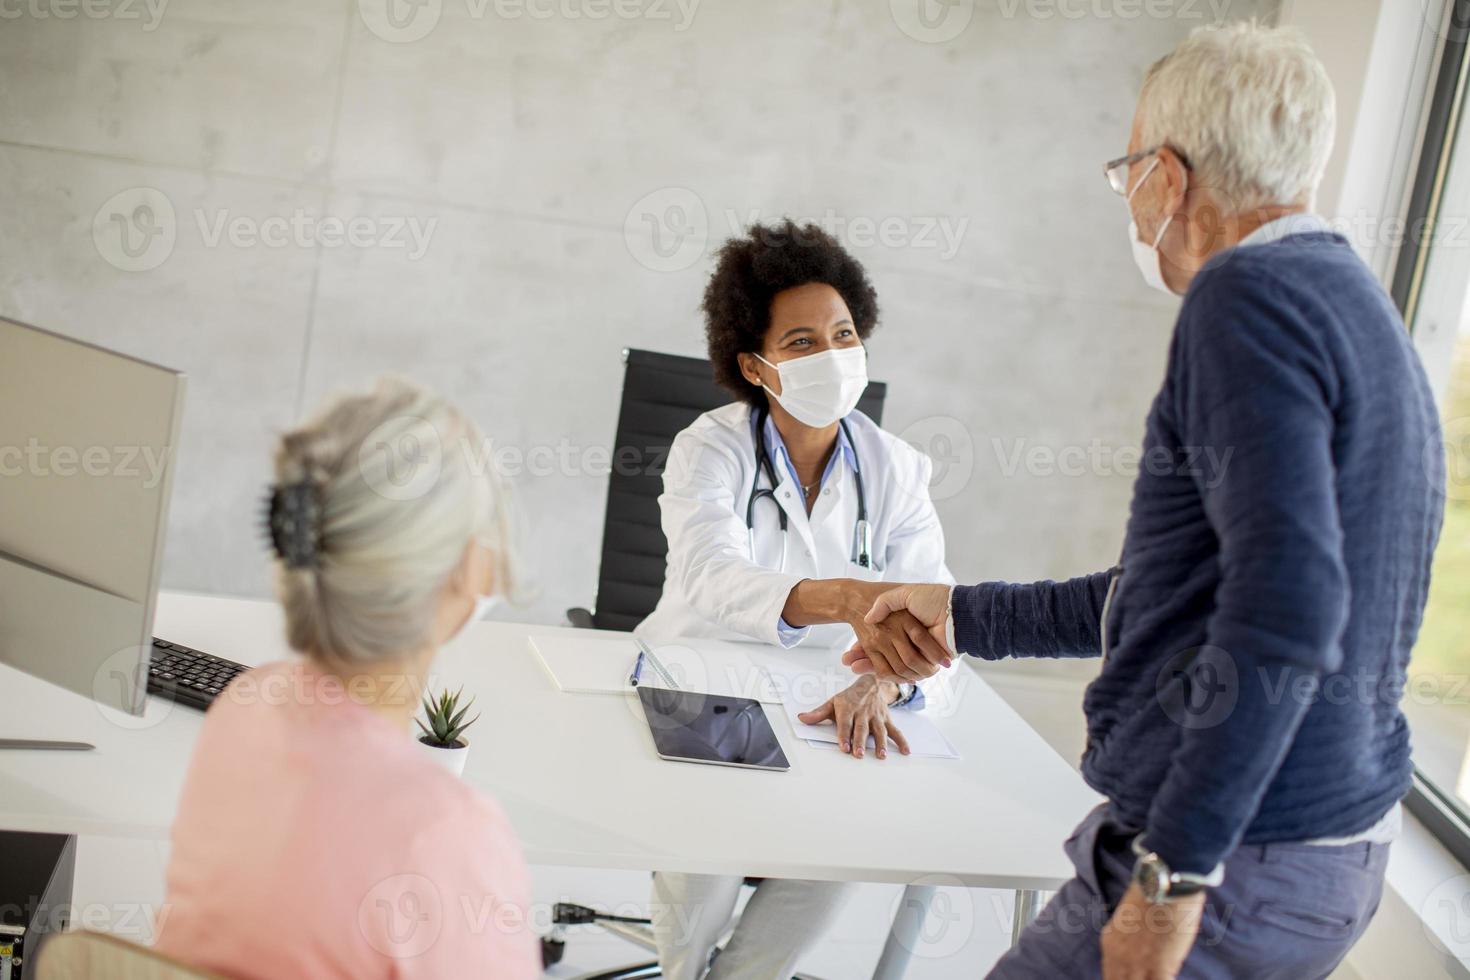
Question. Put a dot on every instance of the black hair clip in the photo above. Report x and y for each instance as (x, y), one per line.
(294, 519)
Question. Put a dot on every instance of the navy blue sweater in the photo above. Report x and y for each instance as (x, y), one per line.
(1274, 570)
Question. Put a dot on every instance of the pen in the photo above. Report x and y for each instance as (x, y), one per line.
(637, 670)
(653, 659)
(7, 743)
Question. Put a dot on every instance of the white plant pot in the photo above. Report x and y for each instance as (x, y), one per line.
(450, 759)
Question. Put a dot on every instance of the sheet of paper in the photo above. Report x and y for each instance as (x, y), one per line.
(599, 662)
(802, 687)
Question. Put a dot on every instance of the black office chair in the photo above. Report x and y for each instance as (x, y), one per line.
(662, 395)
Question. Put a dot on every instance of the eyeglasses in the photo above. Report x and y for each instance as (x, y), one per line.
(1116, 171)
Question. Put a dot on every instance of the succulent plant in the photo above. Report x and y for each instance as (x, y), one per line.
(446, 719)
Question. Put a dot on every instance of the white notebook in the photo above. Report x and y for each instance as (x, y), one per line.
(600, 662)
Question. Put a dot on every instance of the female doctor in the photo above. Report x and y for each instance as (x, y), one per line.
(785, 514)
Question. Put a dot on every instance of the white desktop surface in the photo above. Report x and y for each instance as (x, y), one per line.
(579, 778)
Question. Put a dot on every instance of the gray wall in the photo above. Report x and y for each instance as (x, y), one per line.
(573, 174)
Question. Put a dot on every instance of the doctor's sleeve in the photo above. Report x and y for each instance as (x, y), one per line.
(709, 558)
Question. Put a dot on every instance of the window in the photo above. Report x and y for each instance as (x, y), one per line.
(1430, 283)
(1437, 700)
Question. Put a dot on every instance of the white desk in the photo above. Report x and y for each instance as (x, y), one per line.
(579, 778)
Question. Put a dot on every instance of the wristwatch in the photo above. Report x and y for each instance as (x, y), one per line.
(905, 694)
(1159, 884)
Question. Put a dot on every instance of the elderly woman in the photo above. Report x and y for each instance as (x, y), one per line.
(785, 513)
(313, 838)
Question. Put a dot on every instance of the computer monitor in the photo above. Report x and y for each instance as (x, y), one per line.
(87, 444)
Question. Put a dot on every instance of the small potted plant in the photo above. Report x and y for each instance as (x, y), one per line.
(443, 737)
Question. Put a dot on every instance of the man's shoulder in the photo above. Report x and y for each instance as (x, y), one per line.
(1248, 272)
(1289, 312)
(1292, 288)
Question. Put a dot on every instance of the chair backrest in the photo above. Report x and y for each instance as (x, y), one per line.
(662, 395)
(85, 955)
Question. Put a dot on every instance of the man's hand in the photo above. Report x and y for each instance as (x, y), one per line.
(1149, 942)
(903, 621)
(907, 649)
(861, 709)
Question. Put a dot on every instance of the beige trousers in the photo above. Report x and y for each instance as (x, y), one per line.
(782, 920)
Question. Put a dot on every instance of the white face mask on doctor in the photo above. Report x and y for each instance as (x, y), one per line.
(1147, 256)
(819, 389)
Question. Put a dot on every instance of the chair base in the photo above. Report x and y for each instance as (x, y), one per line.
(553, 947)
(648, 971)
(635, 971)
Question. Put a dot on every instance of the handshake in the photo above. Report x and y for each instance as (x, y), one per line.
(902, 636)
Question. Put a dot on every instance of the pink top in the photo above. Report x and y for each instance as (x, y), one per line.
(313, 839)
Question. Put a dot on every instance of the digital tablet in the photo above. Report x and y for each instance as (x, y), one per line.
(712, 729)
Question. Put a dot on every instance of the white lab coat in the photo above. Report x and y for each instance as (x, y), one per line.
(712, 588)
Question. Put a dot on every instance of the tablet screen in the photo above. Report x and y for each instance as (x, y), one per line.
(711, 728)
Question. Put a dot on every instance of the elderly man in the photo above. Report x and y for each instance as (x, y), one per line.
(1244, 727)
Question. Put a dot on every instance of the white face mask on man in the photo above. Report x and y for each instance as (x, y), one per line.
(819, 389)
(1146, 256)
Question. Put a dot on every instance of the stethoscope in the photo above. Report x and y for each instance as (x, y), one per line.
(862, 533)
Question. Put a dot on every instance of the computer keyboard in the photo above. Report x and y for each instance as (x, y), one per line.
(189, 676)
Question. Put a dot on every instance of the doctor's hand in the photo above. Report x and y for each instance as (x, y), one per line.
(918, 612)
(861, 710)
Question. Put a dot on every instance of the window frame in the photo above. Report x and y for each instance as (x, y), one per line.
(1436, 155)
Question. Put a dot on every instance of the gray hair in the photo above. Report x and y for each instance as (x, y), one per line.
(401, 497)
(1250, 107)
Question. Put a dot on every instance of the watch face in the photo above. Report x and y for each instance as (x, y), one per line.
(1150, 878)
